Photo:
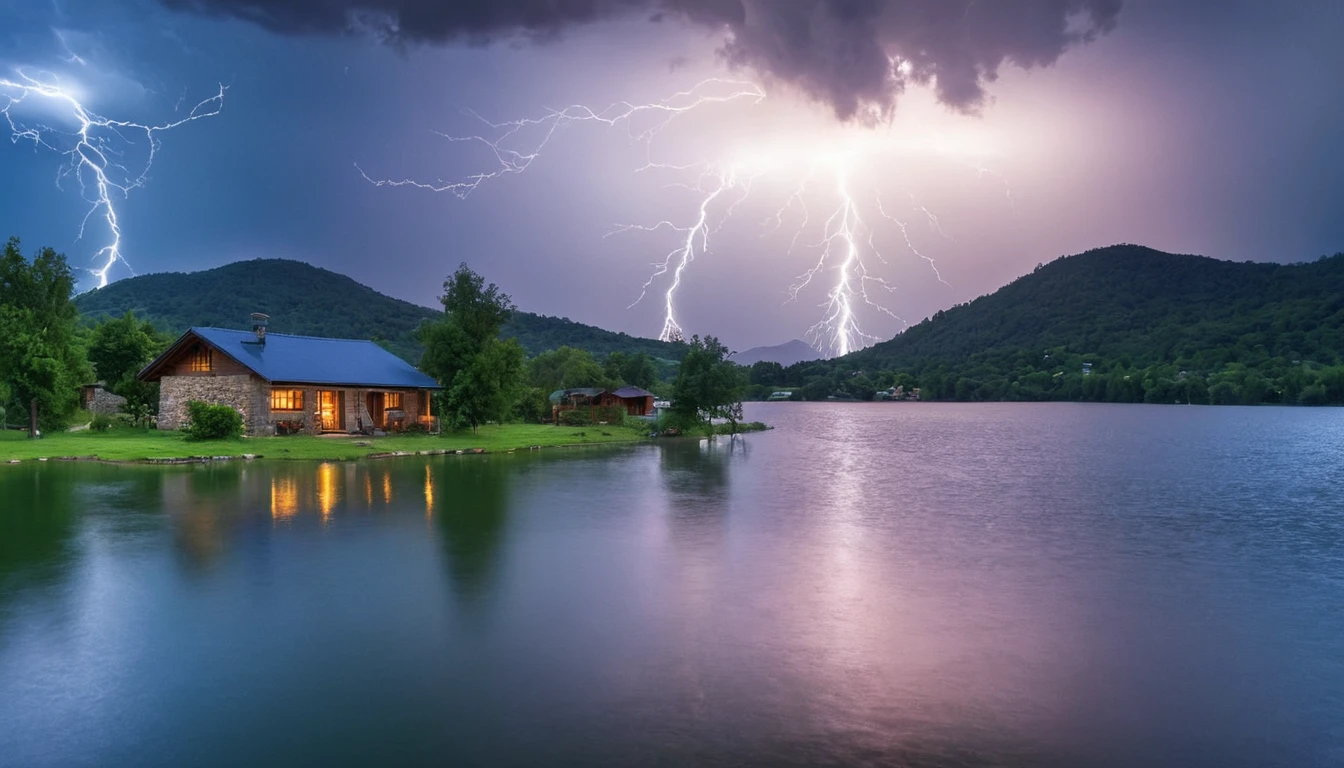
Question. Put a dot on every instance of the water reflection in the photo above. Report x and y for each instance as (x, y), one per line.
(284, 498)
(429, 493)
(473, 520)
(326, 490)
(866, 585)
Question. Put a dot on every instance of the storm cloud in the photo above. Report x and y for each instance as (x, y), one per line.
(857, 56)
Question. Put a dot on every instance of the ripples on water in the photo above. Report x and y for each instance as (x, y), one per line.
(879, 584)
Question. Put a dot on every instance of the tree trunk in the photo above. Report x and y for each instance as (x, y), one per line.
(32, 418)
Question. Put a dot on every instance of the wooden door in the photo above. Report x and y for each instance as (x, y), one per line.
(375, 405)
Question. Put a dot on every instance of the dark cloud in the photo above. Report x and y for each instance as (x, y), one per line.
(841, 52)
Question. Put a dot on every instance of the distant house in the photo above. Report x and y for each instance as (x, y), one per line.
(95, 398)
(633, 400)
(897, 392)
(781, 394)
(284, 384)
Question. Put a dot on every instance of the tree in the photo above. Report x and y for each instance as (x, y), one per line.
(481, 375)
(488, 388)
(632, 369)
(472, 316)
(41, 361)
(566, 368)
(708, 384)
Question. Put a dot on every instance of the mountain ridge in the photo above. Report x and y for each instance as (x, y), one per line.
(304, 299)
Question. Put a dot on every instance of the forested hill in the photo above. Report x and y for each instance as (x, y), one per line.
(1139, 306)
(308, 300)
(1117, 324)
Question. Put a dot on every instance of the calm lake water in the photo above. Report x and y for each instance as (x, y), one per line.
(880, 584)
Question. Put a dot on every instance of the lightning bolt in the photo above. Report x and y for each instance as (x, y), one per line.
(514, 153)
(680, 257)
(844, 233)
(717, 188)
(96, 156)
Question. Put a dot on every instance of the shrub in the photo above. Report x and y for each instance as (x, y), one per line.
(1313, 394)
(101, 422)
(611, 414)
(575, 418)
(213, 422)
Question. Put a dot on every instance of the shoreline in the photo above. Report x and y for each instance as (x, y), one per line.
(171, 448)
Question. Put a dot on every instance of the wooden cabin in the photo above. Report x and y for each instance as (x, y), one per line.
(633, 400)
(284, 384)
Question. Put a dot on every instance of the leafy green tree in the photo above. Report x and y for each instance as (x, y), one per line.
(1225, 393)
(566, 368)
(41, 360)
(816, 388)
(633, 369)
(489, 387)
(481, 374)
(708, 385)
(121, 347)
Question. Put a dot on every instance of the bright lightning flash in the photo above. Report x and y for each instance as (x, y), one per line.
(718, 189)
(96, 151)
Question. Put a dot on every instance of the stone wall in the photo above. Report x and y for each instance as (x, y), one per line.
(246, 394)
(99, 400)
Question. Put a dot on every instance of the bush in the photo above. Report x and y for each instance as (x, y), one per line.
(611, 414)
(101, 422)
(1313, 394)
(213, 422)
(575, 418)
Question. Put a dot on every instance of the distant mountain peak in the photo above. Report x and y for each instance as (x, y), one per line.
(786, 354)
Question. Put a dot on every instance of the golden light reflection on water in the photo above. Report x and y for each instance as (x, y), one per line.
(284, 498)
(387, 487)
(326, 490)
(429, 493)
(368, 490)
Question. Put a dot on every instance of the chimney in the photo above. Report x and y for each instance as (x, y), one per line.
(259, 321)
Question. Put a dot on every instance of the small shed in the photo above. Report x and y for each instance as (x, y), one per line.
(637, 402)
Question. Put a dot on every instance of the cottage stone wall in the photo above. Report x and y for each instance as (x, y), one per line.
(99, 400)
(246, 394)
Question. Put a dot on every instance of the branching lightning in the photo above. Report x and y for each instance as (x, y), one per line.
(719, 186)
(96, 155)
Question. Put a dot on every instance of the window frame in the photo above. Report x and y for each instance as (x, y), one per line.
(282, 394)
(392, 401)
(201, 359)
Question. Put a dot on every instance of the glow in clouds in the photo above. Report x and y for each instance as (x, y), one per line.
(96, 148)
(847, 253)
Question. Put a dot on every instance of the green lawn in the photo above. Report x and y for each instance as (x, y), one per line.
(125, 444)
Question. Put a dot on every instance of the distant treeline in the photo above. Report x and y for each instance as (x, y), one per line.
(1147, 326)
(310, 301)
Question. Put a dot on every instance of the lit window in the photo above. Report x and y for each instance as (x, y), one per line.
(286, 399)
(200, 359)
(392, 401)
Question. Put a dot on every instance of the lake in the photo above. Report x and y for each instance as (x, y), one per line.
(868, 584)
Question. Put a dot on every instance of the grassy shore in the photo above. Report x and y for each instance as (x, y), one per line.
(125, 444)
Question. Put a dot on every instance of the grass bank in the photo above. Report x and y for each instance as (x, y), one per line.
(126, 444)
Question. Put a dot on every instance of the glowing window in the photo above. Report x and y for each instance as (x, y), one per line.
(392, 401)
(200, 359)
(286, 399)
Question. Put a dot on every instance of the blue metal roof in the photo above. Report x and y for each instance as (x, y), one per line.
(314, 360)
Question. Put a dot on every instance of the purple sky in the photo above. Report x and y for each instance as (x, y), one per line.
(1195, 127)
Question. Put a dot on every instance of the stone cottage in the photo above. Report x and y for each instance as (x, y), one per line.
(284, 384)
